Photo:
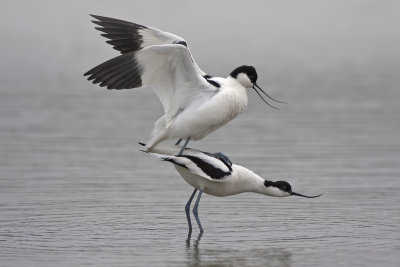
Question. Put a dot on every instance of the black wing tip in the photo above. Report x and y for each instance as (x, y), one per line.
(97, 22)
(98, 17)
(104, 19)
(89, 72)
(92, 78)
(121, 72)
(124, 35)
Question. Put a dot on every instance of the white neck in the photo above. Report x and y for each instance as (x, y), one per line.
(237, 93)
(236, 83)
(248, 180)
(244, 80)
(229, 102)
(251, 182)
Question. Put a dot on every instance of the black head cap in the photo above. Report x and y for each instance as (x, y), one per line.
(249, 70)
(285, 187)
(282, 185)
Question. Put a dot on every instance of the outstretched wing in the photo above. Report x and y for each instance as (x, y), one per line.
(200, 164)
(127, 36)
(168, 69)
(152, 58)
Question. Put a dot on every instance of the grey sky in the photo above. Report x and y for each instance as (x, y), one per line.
(48, 42)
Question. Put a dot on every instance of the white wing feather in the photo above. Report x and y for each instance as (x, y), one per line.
(170, 71)
(151, 57)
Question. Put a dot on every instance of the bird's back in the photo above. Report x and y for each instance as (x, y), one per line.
(208, 173)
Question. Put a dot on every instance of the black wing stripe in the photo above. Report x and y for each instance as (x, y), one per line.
(174, 162)
(207, 168)
(214, 83)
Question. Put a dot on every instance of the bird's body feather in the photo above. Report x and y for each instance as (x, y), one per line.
(210, 174)
(195, 104)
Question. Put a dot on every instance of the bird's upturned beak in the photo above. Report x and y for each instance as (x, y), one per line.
(255, 87)
(297, 194)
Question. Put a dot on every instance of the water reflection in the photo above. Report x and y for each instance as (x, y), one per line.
(197, 256)
(193, 254)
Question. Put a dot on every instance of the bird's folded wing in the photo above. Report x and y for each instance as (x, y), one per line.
(202, 165)
(168, 69)
(128, 37)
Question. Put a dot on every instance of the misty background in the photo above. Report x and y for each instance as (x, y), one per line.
(50, 43)
(74, 189)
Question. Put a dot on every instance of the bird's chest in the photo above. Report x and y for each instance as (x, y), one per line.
(223, 107)
(208, 116)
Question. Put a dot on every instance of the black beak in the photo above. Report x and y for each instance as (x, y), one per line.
(264, 99)
(297, 194)
(255, 87)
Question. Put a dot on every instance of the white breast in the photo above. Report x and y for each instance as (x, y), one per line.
(200, 120)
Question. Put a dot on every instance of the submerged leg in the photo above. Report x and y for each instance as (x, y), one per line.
(221, 157)
(184, 146)
(195, 210)
(178, 142)
(187, 209)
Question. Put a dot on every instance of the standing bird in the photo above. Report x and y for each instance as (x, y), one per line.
(195, 103)
(214, 177)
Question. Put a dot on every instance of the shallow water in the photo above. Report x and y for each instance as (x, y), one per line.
(75, 190)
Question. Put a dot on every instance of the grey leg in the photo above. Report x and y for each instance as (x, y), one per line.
(195, 210)
(178, 142)
(184, 146)
(187, 209)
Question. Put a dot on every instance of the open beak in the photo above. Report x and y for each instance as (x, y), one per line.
(297, 194)
(255, 87)
(258, 87)
(264, 99)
